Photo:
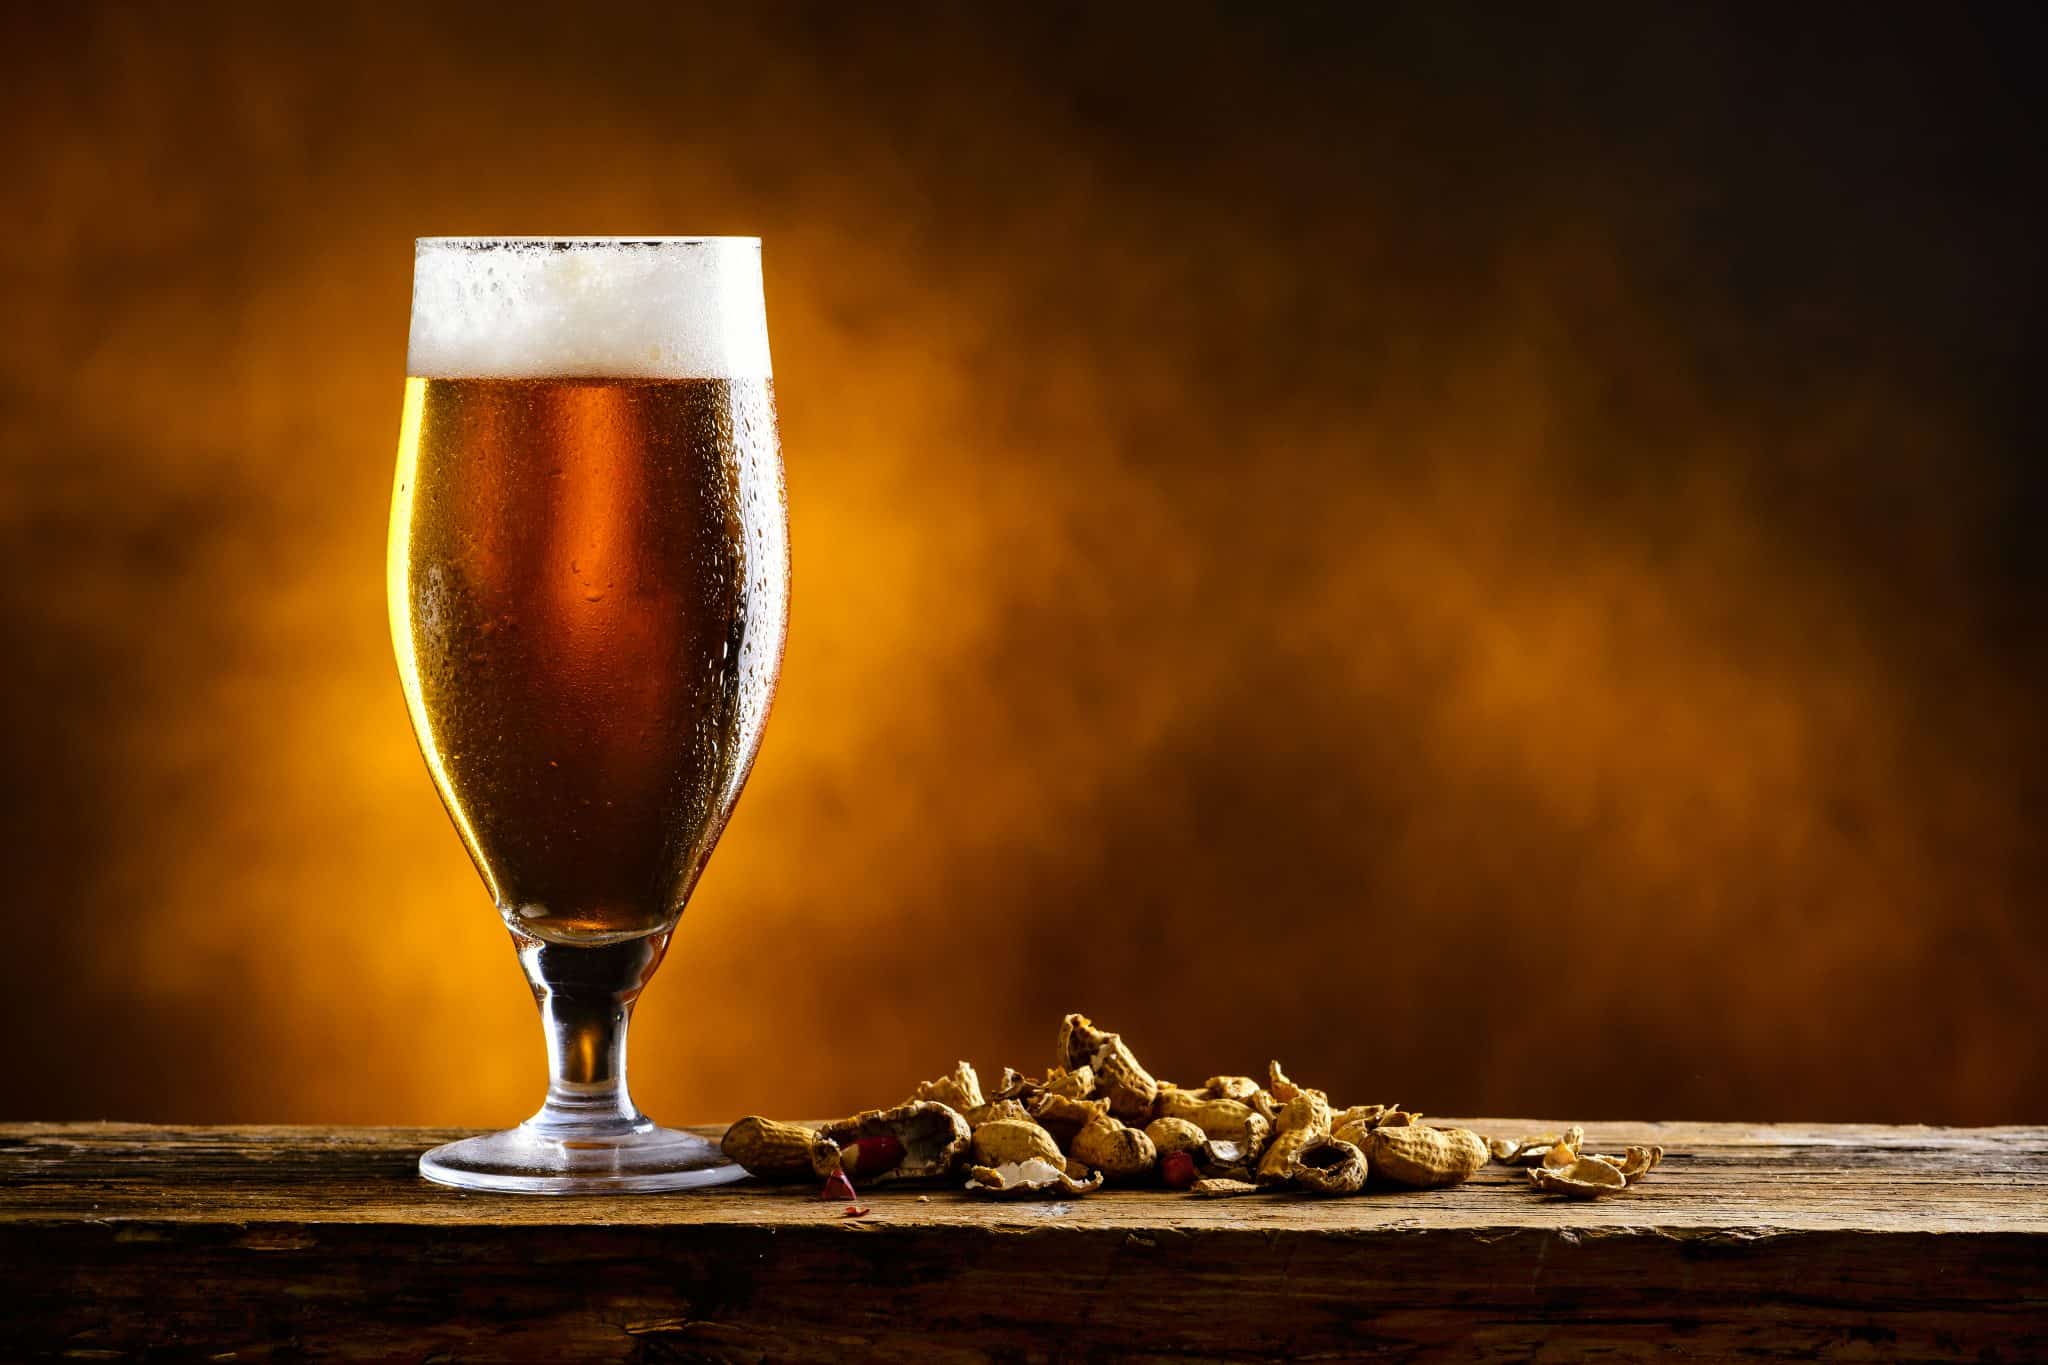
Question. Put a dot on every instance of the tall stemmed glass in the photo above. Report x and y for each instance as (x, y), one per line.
(589, 583)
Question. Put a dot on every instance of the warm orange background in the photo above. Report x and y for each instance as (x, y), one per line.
(1495, 564)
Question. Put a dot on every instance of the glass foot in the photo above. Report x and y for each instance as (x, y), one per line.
(530, 1160)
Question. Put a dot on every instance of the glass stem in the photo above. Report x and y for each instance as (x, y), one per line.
(586, 997)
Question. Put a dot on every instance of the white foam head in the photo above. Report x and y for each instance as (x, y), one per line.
(588, 307)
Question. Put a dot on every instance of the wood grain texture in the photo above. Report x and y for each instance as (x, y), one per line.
(1770, 1242)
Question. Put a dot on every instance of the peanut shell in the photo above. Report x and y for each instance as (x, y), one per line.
(1327, 1166)
(1565, 1150)
(1305, 1117)
(774, 1150)
(935, 1138)
(960, 1089)
(1224, 1120)
(1035, 1178)
(1283, 1089)
(1127, 1086)
(1063, 1116)
(1078, 1083)
(1423, 1158)
(1639, 1162)
(1176, 1135)
(1118, 1150)
(1585, 1178)
(1239, 1088)
(1005, 1142)
(998, 1109)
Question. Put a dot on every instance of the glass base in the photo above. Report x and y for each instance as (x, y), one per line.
(528, 1160)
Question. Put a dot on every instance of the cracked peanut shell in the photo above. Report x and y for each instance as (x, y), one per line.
(1063, 1116)
(1283, 1089)
(935, 1138)
(959, 1089)
(1239, 1088)
(1327, 1166)
(1076, 1083)
(1119, 1078)
(1035, 1178)
(1303, 1119)
(1585, 1178)
(998, 1109)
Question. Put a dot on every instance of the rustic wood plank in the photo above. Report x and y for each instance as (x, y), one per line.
(297, 1243)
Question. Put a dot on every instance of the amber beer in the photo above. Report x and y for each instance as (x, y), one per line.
(588, 581)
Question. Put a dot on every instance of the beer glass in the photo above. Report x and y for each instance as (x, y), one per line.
(588, 579)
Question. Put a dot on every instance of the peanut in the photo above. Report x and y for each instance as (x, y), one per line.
(779, 1151)
(1222, 1120)
(1099, 1116)
(1176, 1135)
(1008, 1141)
(1425, 1158)
(1118, 1150)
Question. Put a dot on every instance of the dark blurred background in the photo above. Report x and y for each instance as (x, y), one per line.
(1497, 560)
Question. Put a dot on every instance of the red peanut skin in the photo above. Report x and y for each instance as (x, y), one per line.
(871, 1155)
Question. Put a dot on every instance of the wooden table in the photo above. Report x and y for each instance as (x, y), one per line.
(299, 1243)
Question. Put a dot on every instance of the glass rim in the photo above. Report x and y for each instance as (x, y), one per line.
(492, 243)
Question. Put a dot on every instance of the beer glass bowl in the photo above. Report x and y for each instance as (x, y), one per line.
(588, 578)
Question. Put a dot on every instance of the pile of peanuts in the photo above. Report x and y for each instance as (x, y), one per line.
(1098, 1117)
